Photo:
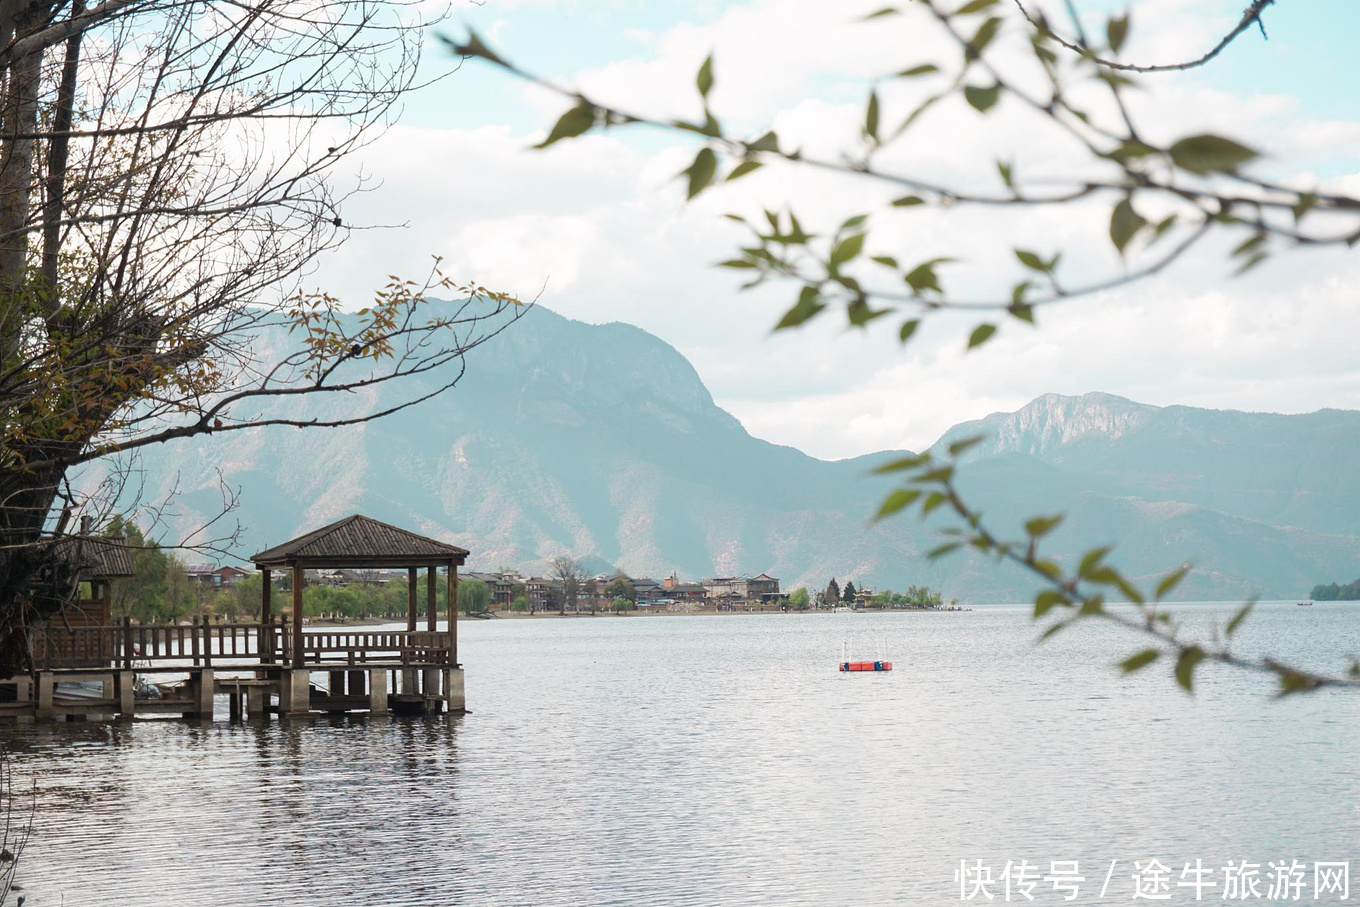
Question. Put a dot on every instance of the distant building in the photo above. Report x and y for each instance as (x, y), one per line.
(760, 588)
(215, 577)
(499, 587)
(648, 590)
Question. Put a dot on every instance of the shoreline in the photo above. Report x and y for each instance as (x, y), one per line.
(643, 614)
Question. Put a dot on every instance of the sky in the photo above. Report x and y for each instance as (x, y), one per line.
(598, 230)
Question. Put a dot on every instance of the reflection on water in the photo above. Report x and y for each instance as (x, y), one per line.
(712, 760)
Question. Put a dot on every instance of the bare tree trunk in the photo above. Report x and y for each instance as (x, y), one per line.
(56, 164)
(20, 122)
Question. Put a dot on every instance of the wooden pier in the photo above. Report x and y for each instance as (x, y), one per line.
(254, 665)
(271, 666)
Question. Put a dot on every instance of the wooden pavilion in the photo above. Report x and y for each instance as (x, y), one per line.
(362, 542)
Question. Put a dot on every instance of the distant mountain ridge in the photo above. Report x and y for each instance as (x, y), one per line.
(601, 440)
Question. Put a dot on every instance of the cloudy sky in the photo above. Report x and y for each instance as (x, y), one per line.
(599, 225)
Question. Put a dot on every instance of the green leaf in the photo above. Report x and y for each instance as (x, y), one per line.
(1048, 600)
(1053, 630)
(981, 334)
(1251, 244)
(861, 314)
(1117, 32)
(704, 80)
(942, 550)
(923, 276)
(1293, 682)
(1091, 560)
(933, 500)
(744, 168)
(574, 122)
(984, 35)
(1139, 660)
(903, 497)
(1210, 154)
(1171, 581)
(1185, 667)
(1042, 525)
(1163, 225)
(904, 463)
(886, 11)
(767, 142)
(847, 249)
(924, 69)
(701, 171)
(975, 6)
(738, 263)
(908, 201)
(908, 328)
(1237, 618)
(1132, 149)
(965, 444)
(1022, 310)
(871, 117)
(474, 46)
(1032, 261)
(1004, 168)
(808, 306)
(886, 261)
(1125, 223)
(1305, 204)
(981, 99)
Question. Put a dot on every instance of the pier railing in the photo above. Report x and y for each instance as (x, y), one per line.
(201, 643)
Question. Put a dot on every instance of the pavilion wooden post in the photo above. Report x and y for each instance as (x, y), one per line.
(298, 580)
(408, 675)
(411, 573)
(266, 636)
(453, 614)
(431, 600)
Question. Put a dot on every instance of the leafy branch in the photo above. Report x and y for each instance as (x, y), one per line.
(1164, 198)
(1094, 591)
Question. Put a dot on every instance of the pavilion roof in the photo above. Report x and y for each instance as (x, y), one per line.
(103, 558)
(360, 541)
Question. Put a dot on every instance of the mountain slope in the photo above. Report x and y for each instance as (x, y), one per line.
(567, 438)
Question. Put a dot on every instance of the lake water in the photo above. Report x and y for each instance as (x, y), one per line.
(719, 760)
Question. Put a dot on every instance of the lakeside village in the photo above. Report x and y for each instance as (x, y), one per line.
(157, 587)
(343, 596)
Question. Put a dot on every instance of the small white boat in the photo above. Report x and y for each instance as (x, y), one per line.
(77, 691)
(842, 609)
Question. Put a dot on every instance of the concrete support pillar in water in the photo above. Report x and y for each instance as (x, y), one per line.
(295, 693)
(257, 698)
(430, 689)
(203, 686)
(124, 689)
(47, 685)
(453, 690)
(377, 691)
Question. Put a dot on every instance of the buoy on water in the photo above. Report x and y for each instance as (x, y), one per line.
(882, 664)
(866, 666)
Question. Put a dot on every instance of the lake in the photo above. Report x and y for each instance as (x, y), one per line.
(721, 760)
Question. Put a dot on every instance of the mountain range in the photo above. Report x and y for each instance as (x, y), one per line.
(601, 442)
